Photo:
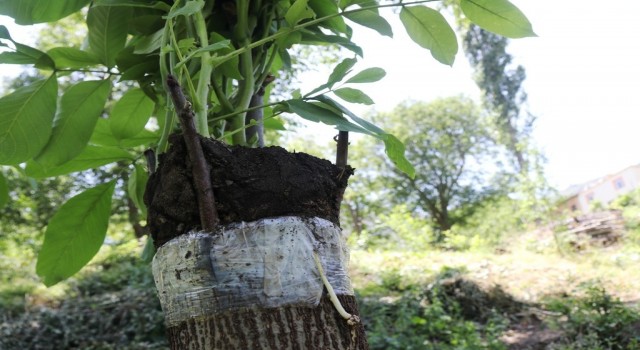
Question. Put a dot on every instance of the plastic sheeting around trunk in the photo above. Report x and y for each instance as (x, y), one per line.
(266, 263)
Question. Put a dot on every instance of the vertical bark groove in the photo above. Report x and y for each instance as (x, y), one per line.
(286, 328)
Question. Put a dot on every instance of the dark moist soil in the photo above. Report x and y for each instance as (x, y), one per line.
(248, 184)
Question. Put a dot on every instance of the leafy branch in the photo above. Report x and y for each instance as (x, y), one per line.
(222, 55)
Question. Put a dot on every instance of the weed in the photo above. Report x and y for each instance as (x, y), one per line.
(596, 321)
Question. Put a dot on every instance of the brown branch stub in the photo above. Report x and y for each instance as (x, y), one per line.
(150, 156)
(201, 175)
(342, 152)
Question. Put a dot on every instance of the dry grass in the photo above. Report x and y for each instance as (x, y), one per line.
(527, 275)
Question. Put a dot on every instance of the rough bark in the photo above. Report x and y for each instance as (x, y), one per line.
(278, 328)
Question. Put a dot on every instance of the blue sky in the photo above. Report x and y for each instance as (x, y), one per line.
(583, 77)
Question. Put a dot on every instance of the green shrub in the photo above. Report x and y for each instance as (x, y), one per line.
(419, 318)
(397, 230)
(596, 321)
(111, 304)
(492, 221)
(128, 319)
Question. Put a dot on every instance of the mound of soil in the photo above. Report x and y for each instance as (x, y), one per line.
(248, 184)
(526, 331)
(475, 303)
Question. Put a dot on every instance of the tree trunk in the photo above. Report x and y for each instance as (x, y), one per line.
(255, 283)
(286, 327)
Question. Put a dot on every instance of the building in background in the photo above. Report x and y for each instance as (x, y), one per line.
(581, 198)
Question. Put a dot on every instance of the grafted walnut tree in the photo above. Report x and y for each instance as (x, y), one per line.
(249, 249)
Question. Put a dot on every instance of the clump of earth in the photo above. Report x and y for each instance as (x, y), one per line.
(248, 184)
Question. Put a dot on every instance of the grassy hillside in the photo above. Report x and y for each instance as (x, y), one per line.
(519, 298)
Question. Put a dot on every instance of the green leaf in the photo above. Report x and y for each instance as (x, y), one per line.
(187, 44)
(298, 11)
(26, 116)
(80, 107)
(135, 67)
(9, 57)
(429, 29)
(224, 44)
(108, 27)
(190, 8)
(394, 149)
(158, 5)
(4, 191)
(230, 67)
(342, 69)
(353, 96)
(149, 250)
(370, 127)
(102, 136)
(281, 61)
(70, 57)
(324, 8)
(498, 16)
(136, 186)
(4, 33)
(27, 12)
(319, 38)
(27, 55)
(316, 113)
(371, 19)
(91, 157)
(274, 124)
(339, 72)
(343, 4)
(146, 24)
(75, 234)
(130, 114)
(369, 75)
(290, 39)
(221, 45)
(150, 43)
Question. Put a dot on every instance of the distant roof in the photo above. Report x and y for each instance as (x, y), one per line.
(575, 189)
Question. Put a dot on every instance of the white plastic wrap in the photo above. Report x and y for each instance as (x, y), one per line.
(268, 263)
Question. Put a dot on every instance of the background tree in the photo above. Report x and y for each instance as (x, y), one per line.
(501, 84)
(448, 141)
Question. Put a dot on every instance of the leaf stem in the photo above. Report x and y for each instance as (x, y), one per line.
(250, 109)
(169, 120)
(279, 34)
(224, 101)
(244, 127)
(206, 68)
(176, 49)
(246, 89)
(110, 72)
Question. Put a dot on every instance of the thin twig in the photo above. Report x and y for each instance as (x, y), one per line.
(150, 156)
(342, 152)
(201, 175)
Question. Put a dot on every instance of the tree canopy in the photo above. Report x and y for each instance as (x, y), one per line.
(449, 142)
(224, 55)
